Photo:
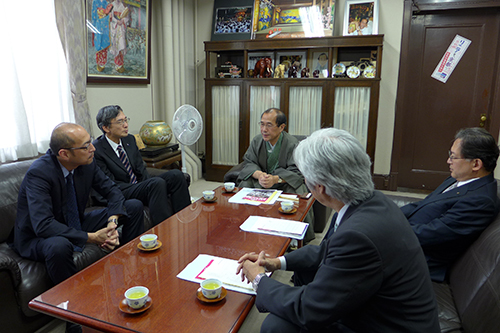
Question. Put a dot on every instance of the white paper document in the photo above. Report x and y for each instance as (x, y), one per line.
(206, 266)
(255, 196)
(275, 227)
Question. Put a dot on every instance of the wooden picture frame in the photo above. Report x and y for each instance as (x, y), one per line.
(360, 17)
(287, 58)
(232, 20)
(118, 41)
(318, 60)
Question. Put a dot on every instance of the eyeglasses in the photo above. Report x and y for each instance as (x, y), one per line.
(268, 125)
(452, 158)
(86, 147)
(122, 121)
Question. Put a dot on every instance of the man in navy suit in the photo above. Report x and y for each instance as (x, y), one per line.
(51, 222)
(119, 157)
(452, 217)
(370, 275)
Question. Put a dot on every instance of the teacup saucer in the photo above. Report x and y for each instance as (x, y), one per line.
(233, 191)
(142, 248)
(127, 309)
(290, 212)
(213, 200)
(202, 298)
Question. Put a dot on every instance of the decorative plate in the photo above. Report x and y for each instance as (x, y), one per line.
(338, 69)
(353, 72)
(369, 72)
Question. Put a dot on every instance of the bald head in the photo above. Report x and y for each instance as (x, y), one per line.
(65, 135)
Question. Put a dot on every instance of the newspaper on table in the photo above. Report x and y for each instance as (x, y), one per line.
(255, 196)
(206, 266)
(275, 227)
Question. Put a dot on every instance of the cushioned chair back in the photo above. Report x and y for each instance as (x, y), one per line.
(11, 176)
(475, 282)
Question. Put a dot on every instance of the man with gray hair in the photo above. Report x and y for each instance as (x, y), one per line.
(370, 275)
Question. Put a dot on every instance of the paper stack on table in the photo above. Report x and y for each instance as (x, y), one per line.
(275, 227)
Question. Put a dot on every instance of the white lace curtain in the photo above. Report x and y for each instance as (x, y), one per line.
(261, 99)
(34, 94)
(304, 110)
(225, 127)
(351, 111)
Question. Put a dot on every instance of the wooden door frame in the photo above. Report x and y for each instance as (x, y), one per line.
(429, 6)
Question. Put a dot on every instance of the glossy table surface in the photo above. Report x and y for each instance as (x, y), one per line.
(92, 297)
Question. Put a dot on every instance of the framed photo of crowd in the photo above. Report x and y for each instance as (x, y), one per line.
(360, 18)
(232, 19)
(118, 41)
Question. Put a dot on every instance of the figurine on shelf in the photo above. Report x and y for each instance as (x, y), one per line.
(234, 71)
(304, 72)
(292, 71)
(279, 72)
(221, 75)
(263, 68)
(250, 73)
(316, 74)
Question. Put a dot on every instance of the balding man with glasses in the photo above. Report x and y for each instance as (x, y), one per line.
(51, 221)
(452, 217)
(268, 162)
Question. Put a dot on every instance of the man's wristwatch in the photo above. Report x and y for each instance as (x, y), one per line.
(114, 219)
(280, 180)
(255, 282)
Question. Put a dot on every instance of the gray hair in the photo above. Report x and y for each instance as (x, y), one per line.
(106, 114)
(335, 159)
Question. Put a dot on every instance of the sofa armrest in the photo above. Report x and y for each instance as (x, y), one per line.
(10, 265)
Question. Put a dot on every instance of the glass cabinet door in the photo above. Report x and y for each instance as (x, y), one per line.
(351, 111)
(261, 99)
(225, 124)
(304, 110)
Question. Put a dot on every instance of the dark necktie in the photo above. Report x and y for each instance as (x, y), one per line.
(333, 227)
(126, 163)
(72, 215)
(451, 187)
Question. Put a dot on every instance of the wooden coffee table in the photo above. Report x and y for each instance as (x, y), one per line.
(92, 297)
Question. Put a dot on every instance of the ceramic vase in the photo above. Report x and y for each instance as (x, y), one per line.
(155, 133)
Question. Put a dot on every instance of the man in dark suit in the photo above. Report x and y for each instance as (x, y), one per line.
(370, 275)
(51, 221)
(119, 157)
(452, 217)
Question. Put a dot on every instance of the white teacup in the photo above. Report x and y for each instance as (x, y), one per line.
(287, 206)
(137, 296)
(208, 195)
(149, 240)
(229, 187)
(211, 288)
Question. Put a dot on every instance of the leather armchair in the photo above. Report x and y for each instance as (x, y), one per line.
(21, 279)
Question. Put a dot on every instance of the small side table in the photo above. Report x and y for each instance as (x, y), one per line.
(163, 160)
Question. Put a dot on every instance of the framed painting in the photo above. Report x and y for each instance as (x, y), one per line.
(232, 19)
(361, 18)
(318, 61)
(118, 41)
(290, 58)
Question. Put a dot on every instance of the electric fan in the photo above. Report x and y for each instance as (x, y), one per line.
(187, 126)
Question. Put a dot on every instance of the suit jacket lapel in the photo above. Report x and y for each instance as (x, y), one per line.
(111, 153)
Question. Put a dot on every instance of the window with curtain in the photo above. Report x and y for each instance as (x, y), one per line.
(352, 110)
(261, 99)
(35, 93)
(225, 116)
(305, 110)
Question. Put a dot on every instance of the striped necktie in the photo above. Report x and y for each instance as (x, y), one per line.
(451, 187)
(72, 215)
(124, 159)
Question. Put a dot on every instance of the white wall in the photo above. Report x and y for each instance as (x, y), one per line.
(135, 100)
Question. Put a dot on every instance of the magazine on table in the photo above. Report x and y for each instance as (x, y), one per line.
(255, 196)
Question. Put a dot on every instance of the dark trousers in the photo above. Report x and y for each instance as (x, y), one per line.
(165, 194)
(57, 251)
